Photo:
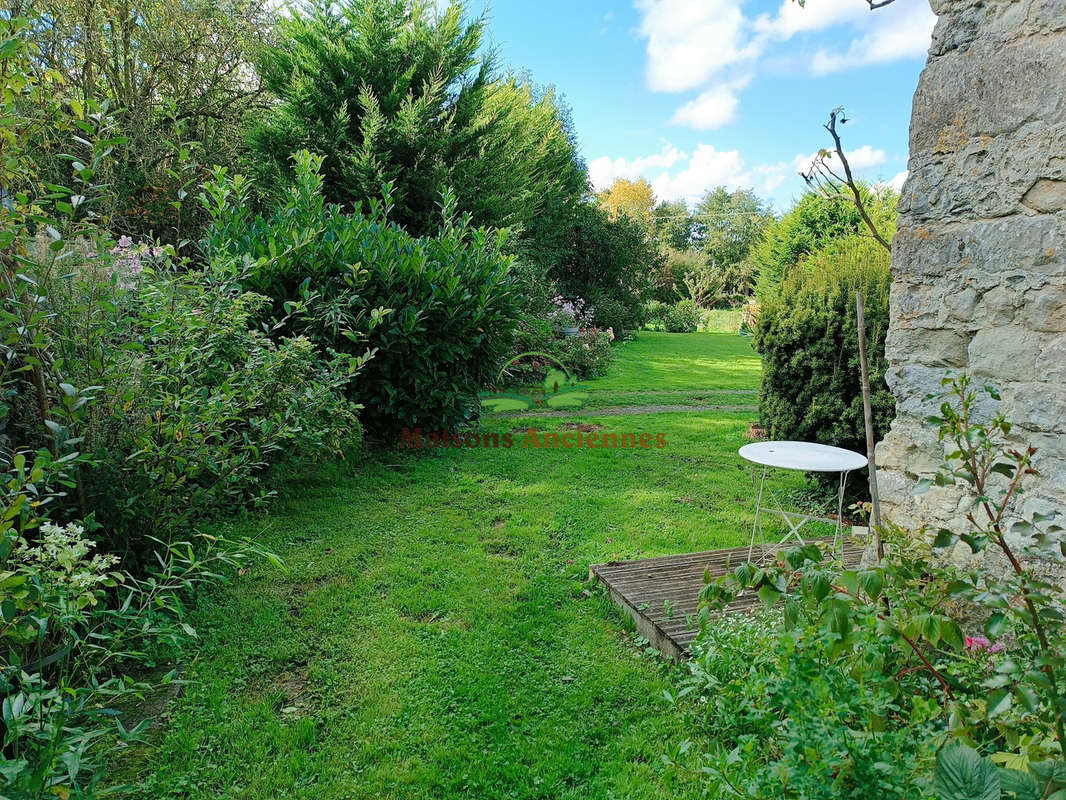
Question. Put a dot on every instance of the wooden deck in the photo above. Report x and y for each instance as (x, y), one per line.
(662, 594)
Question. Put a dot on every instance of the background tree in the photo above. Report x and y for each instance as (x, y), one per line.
(673, 224)
(607, 262)
(727, 224)
(390, 91)
(727, 227)
(633, 199)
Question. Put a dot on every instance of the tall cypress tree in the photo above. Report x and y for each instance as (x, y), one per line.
(394, 91)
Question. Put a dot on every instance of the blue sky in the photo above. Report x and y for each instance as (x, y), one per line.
(696, 93)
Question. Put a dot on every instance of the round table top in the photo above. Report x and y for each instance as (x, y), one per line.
(806, 456)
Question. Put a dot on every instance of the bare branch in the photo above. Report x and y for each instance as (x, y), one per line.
(822, 178)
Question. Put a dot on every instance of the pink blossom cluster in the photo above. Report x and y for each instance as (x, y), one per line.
(128, 257)
(978, 643)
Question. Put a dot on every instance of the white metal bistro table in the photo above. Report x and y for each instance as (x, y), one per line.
(804, 457)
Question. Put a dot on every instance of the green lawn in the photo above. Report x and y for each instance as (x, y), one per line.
(435, 635)
(671, 361)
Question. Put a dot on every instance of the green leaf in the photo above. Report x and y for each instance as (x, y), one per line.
(996, 624)
(999, 702)
(768, 594)
(1051, 773)
(944, 538)
(1027, 697)
(1018, 785)
(951, 633)
(872, 582)
(962, 774)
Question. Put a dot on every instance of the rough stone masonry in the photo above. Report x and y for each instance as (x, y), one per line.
(979, 262)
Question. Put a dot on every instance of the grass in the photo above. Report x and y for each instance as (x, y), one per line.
(722, 320)
(657, 361)
(435, 635)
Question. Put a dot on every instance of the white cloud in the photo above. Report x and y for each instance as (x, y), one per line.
(907, 37)
(706, 169)
(896, 182)
(709, 167)
(714, 108)
(689, 41)
(815, 15)
(692, 42)
(675, 175)
(604, 171)
(860, 158)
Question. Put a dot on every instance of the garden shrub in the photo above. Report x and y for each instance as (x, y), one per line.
(190, 422)
(77, 630)
(132, 394)
(655, 312)
(586, 355)
(434, 316)
(156, 385)
(814, 222)
(807, 337)
(684, 317)
(609, 312)
(544, 313)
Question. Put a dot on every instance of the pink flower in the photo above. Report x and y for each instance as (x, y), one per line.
(977, 643)
(997, 647)
(125, 241)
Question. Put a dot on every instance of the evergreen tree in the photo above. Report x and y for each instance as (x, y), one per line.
(395, 91)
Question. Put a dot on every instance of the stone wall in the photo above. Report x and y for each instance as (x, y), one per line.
(979, 262)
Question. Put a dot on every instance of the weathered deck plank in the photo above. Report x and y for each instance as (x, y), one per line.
(644, 588)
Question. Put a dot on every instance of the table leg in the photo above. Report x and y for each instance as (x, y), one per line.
(757, 525)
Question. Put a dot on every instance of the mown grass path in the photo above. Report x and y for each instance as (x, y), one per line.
(435, 635)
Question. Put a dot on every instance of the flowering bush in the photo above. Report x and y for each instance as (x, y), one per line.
(129, 259)
(60, 563)
(570, 313)
(587, 354)
(73, 628)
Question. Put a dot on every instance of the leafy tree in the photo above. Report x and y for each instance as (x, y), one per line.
(724, 228)
(390, 91)
(589, 255)
(673, 225)
(728, 224)
(633, 199)
(177, 78)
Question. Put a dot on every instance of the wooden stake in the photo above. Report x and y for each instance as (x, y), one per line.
(868, 414)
